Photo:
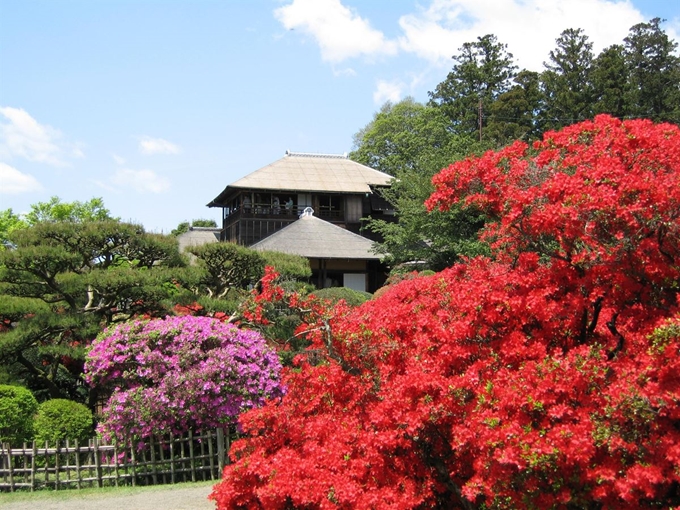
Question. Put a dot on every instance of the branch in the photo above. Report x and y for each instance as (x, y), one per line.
(661, 235)
(611, 325)
(51, 301)
(597, 308)
(438, 465)
(587, 330)
(90, 297)
(103, 305)
(53, 388)
(51, 283)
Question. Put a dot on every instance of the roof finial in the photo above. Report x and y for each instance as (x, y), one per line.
(307, 212)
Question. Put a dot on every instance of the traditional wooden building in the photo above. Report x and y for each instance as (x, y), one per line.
(197, 236)
(339, 190)
(311, 205)
(338, 257)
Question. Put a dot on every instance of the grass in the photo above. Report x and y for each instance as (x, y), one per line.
(66, 494)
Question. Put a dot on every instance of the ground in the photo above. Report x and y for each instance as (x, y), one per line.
(187, 496)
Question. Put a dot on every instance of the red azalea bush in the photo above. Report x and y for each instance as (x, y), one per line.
(548, 377)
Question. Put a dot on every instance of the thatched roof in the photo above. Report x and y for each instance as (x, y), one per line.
(197, 236)
(305, 172)
(312, 237)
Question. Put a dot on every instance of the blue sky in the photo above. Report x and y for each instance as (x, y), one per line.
(157, 105)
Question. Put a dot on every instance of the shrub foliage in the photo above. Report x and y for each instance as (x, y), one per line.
(17, 408)
(350, 296)
(178, 374)
(546, 377)
(60, 420)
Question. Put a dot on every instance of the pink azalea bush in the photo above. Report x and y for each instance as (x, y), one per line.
(178, 374)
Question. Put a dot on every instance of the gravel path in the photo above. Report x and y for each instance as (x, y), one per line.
(167, 497)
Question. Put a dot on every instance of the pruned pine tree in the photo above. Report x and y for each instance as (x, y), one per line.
(63, 282)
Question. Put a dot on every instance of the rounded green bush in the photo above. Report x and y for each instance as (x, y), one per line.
(17, 408)
(60, 419)
(335, 294)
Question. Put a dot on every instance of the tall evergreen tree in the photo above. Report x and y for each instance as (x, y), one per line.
(566, 81)
(483, 70)
(610, 82)
(654, 69)
(514, 116)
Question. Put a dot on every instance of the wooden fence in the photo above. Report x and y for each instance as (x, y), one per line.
(162, 460)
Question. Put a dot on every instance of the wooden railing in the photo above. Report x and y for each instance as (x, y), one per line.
(266, 211)
(160, 460)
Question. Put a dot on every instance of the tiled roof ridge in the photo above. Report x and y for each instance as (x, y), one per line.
(205, 229)
(315, 155)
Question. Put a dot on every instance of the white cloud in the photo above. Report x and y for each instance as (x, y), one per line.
(118, 159)
(102, 184)
(142, 181)
(672, 28)
(528, 27)
(25, 137)
(77, 151)
(387, 91)
(438, 28)
(346, 71)
(13, 182)
(339, 32)
(148, 145)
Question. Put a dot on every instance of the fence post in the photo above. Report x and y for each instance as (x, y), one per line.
(227, 441)
(47, 464)
(133, 460)
(78, 473)
(191, 456)
(35, 452)
(161, 455)
(153, 462)
(203, 458)
(220, 450)
(56, 467)
(115, 461)
(24, 461)
(172, 458)
(8, 449)
(211, 455)
(97, 462)
(68, 460)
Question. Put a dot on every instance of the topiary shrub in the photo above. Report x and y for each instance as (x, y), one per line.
(17, 408)
(335, 294)
(60, 419)
(397, 277)
(289, 267)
